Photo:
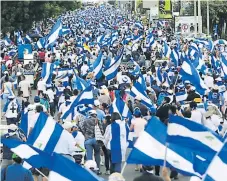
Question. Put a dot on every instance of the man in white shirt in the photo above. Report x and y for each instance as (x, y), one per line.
(66, 144)
(50, 93)
(196, 115)
(63, 108)
(41, 86)
(25, 88)
(84, 69)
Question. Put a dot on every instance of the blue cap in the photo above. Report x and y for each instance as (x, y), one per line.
(137, 112)
(36, 99)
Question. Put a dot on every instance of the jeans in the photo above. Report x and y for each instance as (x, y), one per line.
(5, 98)
(52, 109)
(114, 167)
(107, 158)
(90, 145)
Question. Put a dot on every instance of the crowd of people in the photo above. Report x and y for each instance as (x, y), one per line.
(99, 134)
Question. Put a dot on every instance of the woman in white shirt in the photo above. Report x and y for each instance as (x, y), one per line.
(7, 89)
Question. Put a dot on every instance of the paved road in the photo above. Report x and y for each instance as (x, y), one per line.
(129, 173)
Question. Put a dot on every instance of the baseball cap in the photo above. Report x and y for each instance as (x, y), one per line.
(67, 125)
(36, 99)
(96, 103)
(91, 164)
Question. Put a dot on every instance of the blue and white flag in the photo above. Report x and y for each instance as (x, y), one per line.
(65, 30)
(47, 72)
(27, 39)
(142, 81)
(175, 57)
(38, 30)
(188, 72)
(121, 107)
(214, 62)
(137, 90)
(7, 41)
(187, 133)
(138, 25)
(54, 33)
(46, 133)
(97, 66)
(217, 169)
(210, 46)
(19, 38)
(41, 43)
(149, 40)
(85, 97)
(160, 23)
(154, 154)
(24, 125)
(223, 61)
(136, 38)
(79, 83)
(166, 50)
(111, 71)
(61, 168)
(119, 141)
(220, 41)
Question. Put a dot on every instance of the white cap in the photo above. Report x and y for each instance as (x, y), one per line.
(92, 112)
(91, 164)
(67, 125)
(192, 88)
(96, 103)
(218, 79)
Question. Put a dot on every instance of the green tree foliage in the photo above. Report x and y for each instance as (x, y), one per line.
(21, 14)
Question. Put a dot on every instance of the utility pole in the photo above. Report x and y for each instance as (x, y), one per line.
(208, 18)
(195, 16)
(199, 16)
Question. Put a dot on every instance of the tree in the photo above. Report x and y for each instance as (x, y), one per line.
(20, 15)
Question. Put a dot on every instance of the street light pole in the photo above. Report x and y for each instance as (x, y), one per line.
(199, 16)
(195, 16)
(208, 18)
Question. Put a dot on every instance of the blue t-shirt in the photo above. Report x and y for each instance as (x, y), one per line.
(16, 172)
(100, 115)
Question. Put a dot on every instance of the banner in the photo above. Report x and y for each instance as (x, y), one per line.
(24, 49)
(165, 9)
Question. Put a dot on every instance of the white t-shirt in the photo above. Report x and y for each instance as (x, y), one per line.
(84, 69)
(41, 86)
(66, 144)
(24, 87)
(50, 94)
(79, 139)
(11, 111)
(9, 85)
(139, 125)
(197, 116)
(209, 81)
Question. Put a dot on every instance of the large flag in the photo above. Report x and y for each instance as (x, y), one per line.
(175, 57)
(62, 169)
(97, 66)
(85, 97)
(46, 133)
(224, 65)
(149, 40)
(217, 170)
(137, 90)
(176, 157)
(111, 71)
(79, 83)
(47, 72)
(188, 72)
(187, 133)
(166, 50)
(121, 107)
(54, 33)
(41, 43)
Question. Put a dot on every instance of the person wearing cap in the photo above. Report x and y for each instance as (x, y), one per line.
(66, 145)
(7, 153)
(11, 110)
(88, 130)
(16, 171)
(79, 139)
(37, 103)
(100, 113)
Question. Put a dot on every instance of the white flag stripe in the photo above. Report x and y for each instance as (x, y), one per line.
(217, 166)
(113, 68)
(45, 134)
(47, 72)
(156, 150)
(177, 129)
(86, 95)
(54, 176)
(24, 151)
(136, 92)
(125, 111)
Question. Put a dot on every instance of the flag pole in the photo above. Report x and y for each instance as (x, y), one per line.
(164, 164)
(123, 168)
(41, 173)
